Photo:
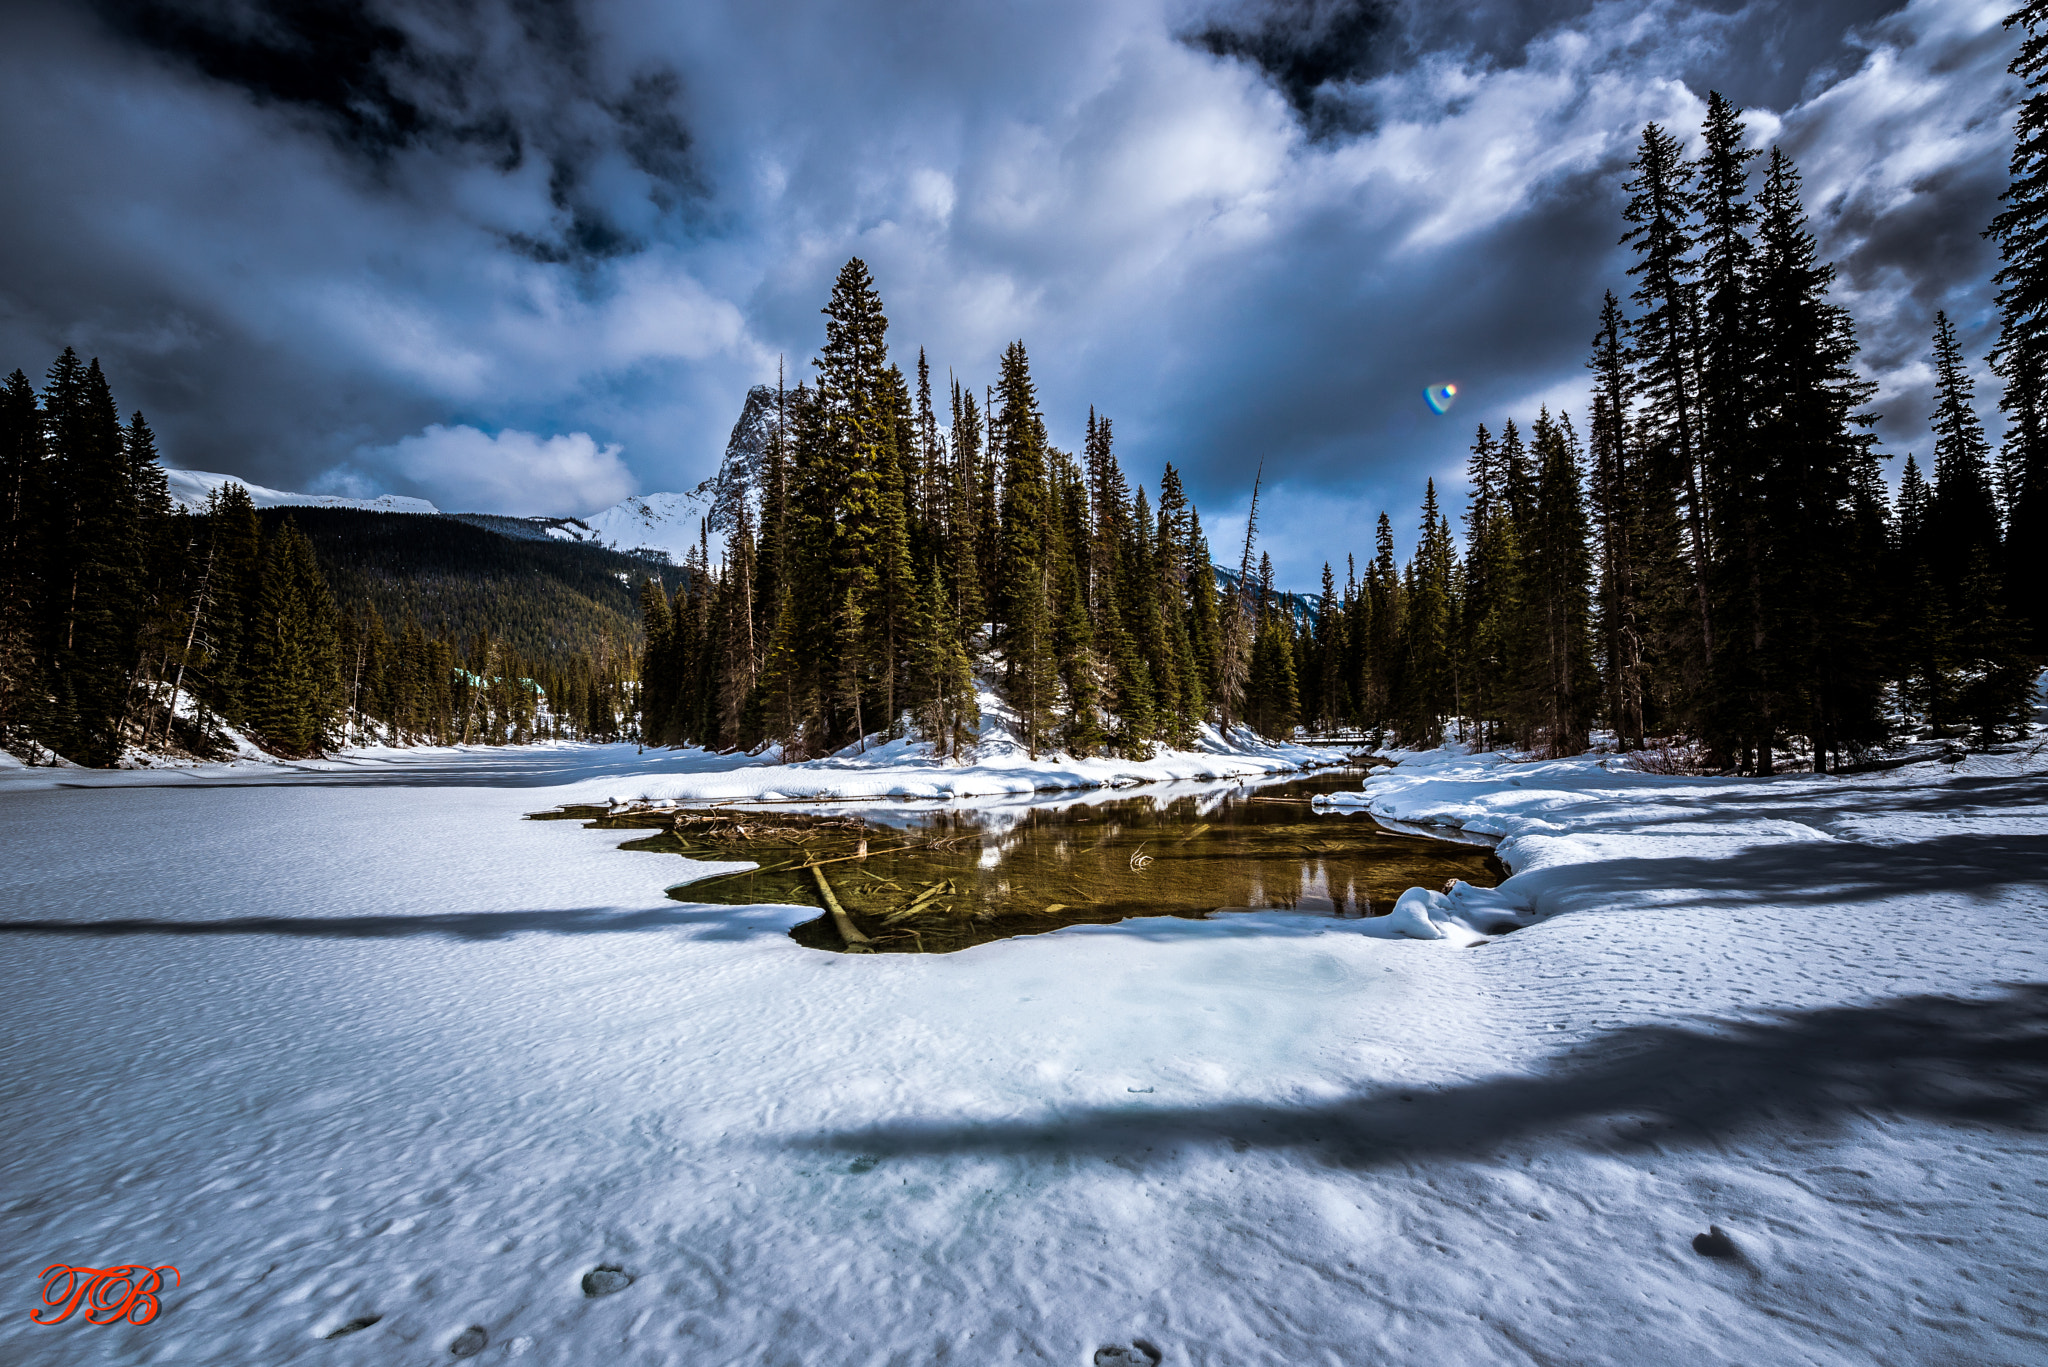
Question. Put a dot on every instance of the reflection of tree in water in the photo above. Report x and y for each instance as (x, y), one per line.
(956, 879)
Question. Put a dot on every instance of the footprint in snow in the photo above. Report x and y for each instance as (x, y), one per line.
(1139, 1354)
(605, 1280)
(1715, 1243)
(359, 1323)
(469, 1342)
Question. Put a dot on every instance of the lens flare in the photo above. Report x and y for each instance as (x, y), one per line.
(1440, 397)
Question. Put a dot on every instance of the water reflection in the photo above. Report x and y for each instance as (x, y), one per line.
(933, 880)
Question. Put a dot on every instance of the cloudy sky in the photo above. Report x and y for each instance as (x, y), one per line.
(526, 256)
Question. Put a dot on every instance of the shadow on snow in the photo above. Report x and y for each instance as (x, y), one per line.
(1927, 1057)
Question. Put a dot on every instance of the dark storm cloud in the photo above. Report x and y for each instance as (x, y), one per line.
(1320, 53)
(497, 80)
(1309, 46)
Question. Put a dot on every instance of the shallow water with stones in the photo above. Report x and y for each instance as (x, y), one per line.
(950, 878)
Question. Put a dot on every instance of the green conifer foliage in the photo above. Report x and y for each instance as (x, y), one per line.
(1663, 353)
(1557, 577)
(1488, 657)
(1995, 679)
(1822, 519)
(2025, 477)
(1330, 706)
(1963, 518)
(1425, 692)
(293, 675)
(26, 563)
(963, 514)
(1619, 515)
(2021, 229)
(1023, 610)
(100, 542)
(1272, 696)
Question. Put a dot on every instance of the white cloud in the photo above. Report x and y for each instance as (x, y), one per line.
(517, 473)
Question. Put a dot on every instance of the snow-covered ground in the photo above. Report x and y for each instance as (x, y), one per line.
(351, 1039)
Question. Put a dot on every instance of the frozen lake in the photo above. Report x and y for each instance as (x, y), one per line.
(368, 1046)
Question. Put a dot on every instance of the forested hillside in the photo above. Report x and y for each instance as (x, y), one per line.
(127, 623)
(544, 599)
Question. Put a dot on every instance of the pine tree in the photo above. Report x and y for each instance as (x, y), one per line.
(25, 563)
(2025, 478)
(1663, 353)
(1386, 612)
(739, 660)
(1821, 524)
(1329, 705)
(1742, 718)
(661, 681)
(1204, 633)
(1996, 679)
(944, 679)
(1272, 699)
(964, 514)
(99, 540)
(1023, 610)
(1556, 596)
(1426, 677)
(1619, 516)
(1921, 642)
(1963, 518)
(2021, 229)
(1486, 653)
(293, 679)
(1178, 675)
(894, 577)
(1237, 624)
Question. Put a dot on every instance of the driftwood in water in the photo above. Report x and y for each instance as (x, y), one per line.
(848, 931)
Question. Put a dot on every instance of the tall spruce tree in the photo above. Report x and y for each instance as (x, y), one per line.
(1024, 610)
(1742, 719)
(294, 666)
(1822, 524)
(1963, 518)
(2021, 357)
(1663, 353)
(1563, 684)
(26, 563)
(1620, 519)
(2024, 470)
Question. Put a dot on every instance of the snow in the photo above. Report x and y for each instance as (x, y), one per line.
(349, 1038)
(667, 524)
(191, 488)
(1001, 765)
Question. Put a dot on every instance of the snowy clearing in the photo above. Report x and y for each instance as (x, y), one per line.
(349, 1039)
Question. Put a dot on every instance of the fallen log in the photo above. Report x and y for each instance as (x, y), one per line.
(848, 931)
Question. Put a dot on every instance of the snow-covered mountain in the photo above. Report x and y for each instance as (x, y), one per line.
(669, 524)
(190, 489)
(661, 524)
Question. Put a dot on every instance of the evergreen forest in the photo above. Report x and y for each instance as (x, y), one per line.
(128, 624)
(1710, 557)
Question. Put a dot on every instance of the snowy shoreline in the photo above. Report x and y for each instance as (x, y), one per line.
(902, 770)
